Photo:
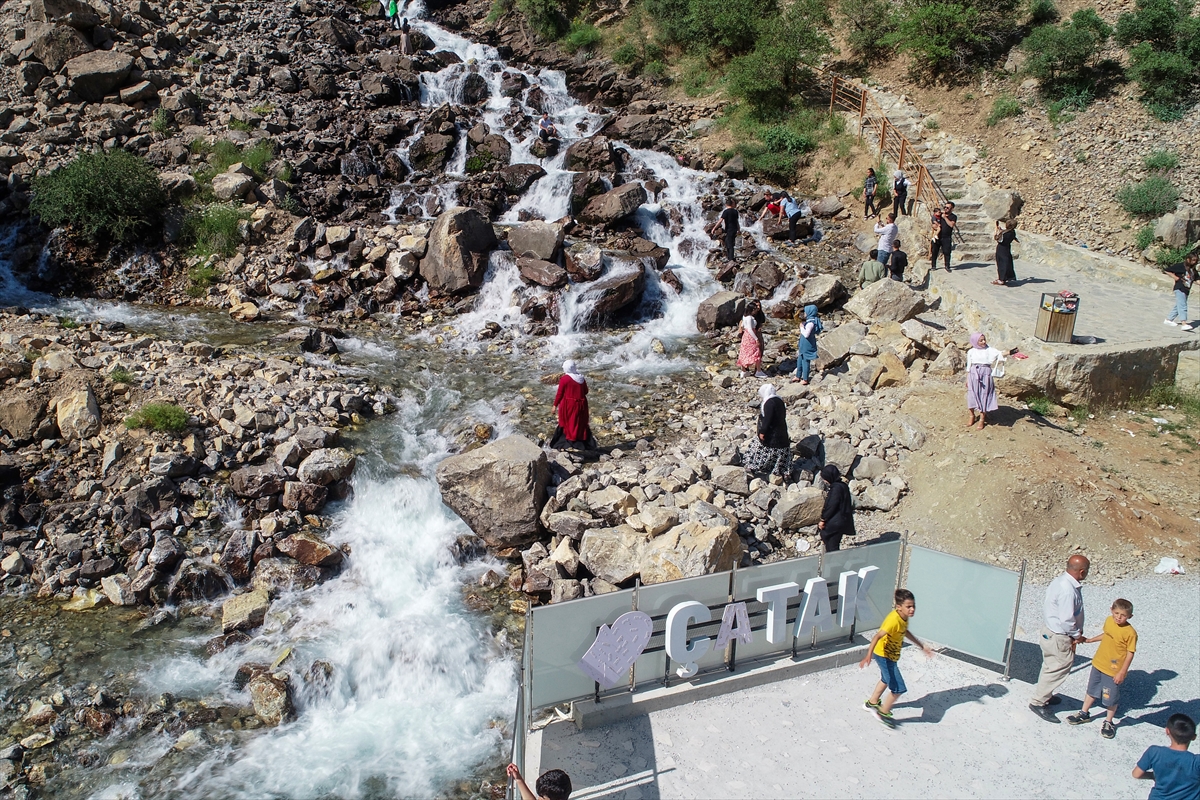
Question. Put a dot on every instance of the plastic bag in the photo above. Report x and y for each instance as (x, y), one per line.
(1169, 566)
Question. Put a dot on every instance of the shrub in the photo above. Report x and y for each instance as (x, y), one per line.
(866, 24)
(781, 138)
(1150, 198)
(1163, 38)
(655, 69)
(626, 54)
(1042, 11)
(1161, 161)
(241, 125)
(944, 37)
(114, 196)
(163, 417)
(1172, 255)
(214, 230)
(774, 72)
(202, 277)
(1064, 56)
(162, 122)
(548, 18)
(1144, 238)
(581, 36)
(1040, 405)
(120, 375)
(1003, 107)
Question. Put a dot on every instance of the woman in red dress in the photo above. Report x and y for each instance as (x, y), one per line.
(572, 405)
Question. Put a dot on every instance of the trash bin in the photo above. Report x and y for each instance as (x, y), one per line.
(1056, 317)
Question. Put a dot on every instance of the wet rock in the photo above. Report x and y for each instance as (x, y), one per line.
(689, 550)
(542, 273)
(617, 293)
(260, 481)
(326, 466)
(639, 130)
(245, 612)
(585, 261)
(721, 310)
(98, 720)
(95, 74)
(237, 556)
(886, 301)
(459, 245)
(536, 239)
(595, 153)
(474, 89)
(613, 205)
(585, 186)
(430, 151)
(283, 574)
(197, 580)
(307, 498)
(498, 490)
(310, 550)
(272, 698)
(519, 177)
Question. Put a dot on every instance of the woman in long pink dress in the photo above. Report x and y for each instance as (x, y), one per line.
(751, 350)
(572, 405)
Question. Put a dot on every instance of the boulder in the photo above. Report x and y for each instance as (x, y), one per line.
(1002, 205)
(839, 452)
(798, 508)
(335, 32)
(659, 519)
(95, 74)
(1029, 377)
(827, 207)
(474, 89)
(430, 151)
(231, 185)
(612, 554)
(459, 245)
(166, 552)
(612, 504)
(307, 498)
(894, 372)
(886, 301)
(272, 698)
(14, 564)
(592, 154)
(496, 149)
(1187, 371)
(119, 590)
(571, 524)
(879, 497)
(639, 130)
(519, 177)
(75, 12)
(198, 580)
(78, 415)
(275, 575)
(543, 273)
(834, 344)
(142, 92)
(536, 239)
(721, 310)
(689, 550)
(381, 90)
(1179, 227)
(821, 291)
(617, 292)
(949, 362)
(55, 45)
(585, 186)
(731, 480)
(613, 205)
(908, 431)
(498, 490)
(312, 550)
(326, 466)
(585, 261)
(21, 414)
(870, 468)
(258, 481)
(237, 557)
(767, 276)
(53, 365)
(244, 612)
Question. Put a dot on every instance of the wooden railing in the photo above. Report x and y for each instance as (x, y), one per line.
(848, 95)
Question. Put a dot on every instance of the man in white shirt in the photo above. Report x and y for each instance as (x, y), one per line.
(887, 235)
(1063, 630)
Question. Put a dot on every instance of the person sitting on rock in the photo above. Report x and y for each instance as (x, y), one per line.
(546, 128)
(574, 427)
(871, 270)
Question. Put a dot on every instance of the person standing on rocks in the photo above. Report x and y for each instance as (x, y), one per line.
(944, 223)
(406, 47)
(730, 227)
(983, 363)
(1004, 258)
(571, 403)
(1185, 276)
(898, 263)
(794, 212)
(887, 236)
(751, 351)
(772, 452)
(806, 352)
(899, 194)
(870, 187)
(837, 517)
(1060, 635)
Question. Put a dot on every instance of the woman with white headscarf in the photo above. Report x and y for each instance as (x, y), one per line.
(571, 403)
(899, 193)
(984, 365)
(772, 452)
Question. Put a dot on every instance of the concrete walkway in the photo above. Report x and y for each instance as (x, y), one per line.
(963, 731)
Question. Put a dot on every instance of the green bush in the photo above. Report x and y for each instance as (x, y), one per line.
(548, 18)
(1161, 161)
(1040, 405)
(120, 375)
(1003, 107)
(945, 37)
(163, 417)
(478, 163)
(1163, 38)
(1172, 255)
(214, 230)
(774, 72)
(113, 196)
(1063, 57)
(202, 277)
(626, 54)
(731, 26)
(1042, 11)
(581, 36)
(223, 154)
(1144, 238)
(866, 24)
(162, 122)
(1151, 198)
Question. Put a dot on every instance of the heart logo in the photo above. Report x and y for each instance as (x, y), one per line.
(609, 658)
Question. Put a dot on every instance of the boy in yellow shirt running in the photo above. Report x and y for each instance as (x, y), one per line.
(885, 649)
(1109, 666)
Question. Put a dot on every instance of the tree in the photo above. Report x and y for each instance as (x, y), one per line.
(944, 37)
(1163, 39)
(1062, 57)
(768, 77)
(866, 24)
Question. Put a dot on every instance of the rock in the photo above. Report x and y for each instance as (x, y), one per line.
(237, 557)
(732, 480)
(275, 575)
(585, 186)
(886, 301)
(767, 276)
(571, 523)
(166, 552)
(78, 415)
(894, 372)
(735, 167)
(536, 239)
(172, 465)
(474, 89)
(260, 481)
(430, 151)
(562, 590)
(659, 519)
(834, 344)
(1002, 205)
(21, 415)
(920, 332)
(821, 291)
(326, 466)
(1059, 535)
(565, 557)
(827, 207)
(55, 45)
(244, 312)
(519, 177)
(198, 580)
(95, 74)
(381, 90)
(1179, 227)
(307, 498)
(870, 468)
(245, 612)
(271, 697)
(543, 273)
(592, 154)
(498, 490)
(311, 550)
(401, 265)
(612, 504)
(495, 149)
(798, 508)
(839, 452)
(639, 130)
(1187, 371)
(118, 589)
(14, 564)
(459, 245)
(617, 292)
(231, 186)
(949, 362)
(335, 32)
(907, 431)
(612, 554)
(53, 365)
(721, 310)
(585, 261)
(879, 497)
(613, 205)
(689, 550)
(142, 92)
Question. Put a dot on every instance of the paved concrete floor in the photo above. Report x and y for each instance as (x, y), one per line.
(963, 731)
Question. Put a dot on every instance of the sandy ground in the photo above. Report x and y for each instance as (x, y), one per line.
(963, 731)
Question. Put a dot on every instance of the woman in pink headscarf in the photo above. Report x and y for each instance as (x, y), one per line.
(984, 364)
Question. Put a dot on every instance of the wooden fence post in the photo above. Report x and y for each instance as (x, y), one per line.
(862, 112)
(903, 152)
(833, 95)
(882, 136)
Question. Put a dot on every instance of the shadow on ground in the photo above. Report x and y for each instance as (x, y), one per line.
(935, 704)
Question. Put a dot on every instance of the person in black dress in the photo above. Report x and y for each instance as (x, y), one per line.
(1004, 258)
(772, 452)
(837, 518)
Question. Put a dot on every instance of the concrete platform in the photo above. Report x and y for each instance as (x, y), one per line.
(1132, 350)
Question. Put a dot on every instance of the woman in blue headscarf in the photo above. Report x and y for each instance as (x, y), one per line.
(807, 352)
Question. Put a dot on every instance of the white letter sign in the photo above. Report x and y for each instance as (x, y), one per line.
(852, 594)
(735, 624)
(816, 610)
(776, 598)
(616, 648)
(677, 641)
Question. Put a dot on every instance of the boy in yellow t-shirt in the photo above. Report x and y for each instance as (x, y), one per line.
(885, 650)
(1109, 666)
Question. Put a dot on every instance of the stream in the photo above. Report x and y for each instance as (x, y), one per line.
(420, 690)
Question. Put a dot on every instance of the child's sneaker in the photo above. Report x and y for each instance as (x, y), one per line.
(1108, 730)
(886, 718)
(1080, 718)
(872, 707)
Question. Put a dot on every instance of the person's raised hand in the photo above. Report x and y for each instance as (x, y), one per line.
(514, 772)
